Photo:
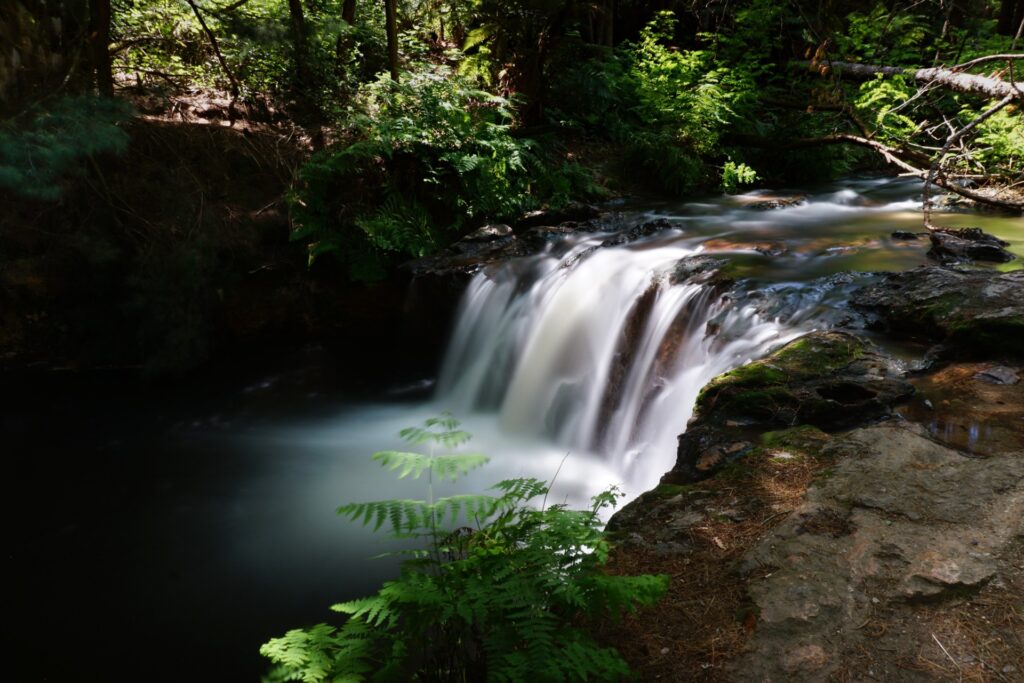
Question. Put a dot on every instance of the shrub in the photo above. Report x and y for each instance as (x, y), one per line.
(47, 144)
(502, 600)
(429, 156)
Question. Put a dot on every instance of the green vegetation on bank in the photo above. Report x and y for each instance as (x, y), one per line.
(500, 589)
(389, 140)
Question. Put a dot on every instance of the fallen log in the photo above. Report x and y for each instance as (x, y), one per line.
(890, 154)
(987, 86)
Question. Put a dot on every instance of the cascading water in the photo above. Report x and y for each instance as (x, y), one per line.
(602, 351)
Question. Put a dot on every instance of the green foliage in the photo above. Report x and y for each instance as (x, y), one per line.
(38, 150)
(161, 43)
(505, 599)
(884, 36)
(882, 102)
(735, 175)
(680, 89)
(431, 156)
(1000, 139)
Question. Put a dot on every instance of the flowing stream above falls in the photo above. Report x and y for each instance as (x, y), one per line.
(213, 505)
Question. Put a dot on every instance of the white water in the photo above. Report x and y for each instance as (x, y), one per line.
(603, 356)
(599, 353)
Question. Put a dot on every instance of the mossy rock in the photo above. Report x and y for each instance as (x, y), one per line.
(977, 313)
(770, 390)
(825, 381)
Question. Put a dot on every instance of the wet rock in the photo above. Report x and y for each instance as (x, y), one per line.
(905, 235)
(777, 203)
(968, 244)
(998, 374)
(537, 238)
(973, 312)
(489, 234)
(700, 269)
(639, 231)
(573, 211)
(962, 406)
(772, 249)
(828, 380)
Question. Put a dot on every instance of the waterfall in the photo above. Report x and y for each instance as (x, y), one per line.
(601, 350)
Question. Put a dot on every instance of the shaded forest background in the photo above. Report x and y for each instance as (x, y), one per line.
(182, 177)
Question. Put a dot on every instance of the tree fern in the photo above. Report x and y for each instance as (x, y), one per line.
(500, 600)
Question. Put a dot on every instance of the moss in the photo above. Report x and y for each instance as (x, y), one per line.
(1001, 335)
(765, 403)
(805, 439)
(671, 490)
(813, 356)
(931, 312)
(802, 359)
(759, 374)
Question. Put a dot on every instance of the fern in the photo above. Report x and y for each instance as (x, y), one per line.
(503, 600)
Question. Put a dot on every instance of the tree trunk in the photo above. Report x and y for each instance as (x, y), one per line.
(348, 15)
(609, 23)
(391, 22)
(298, 18)
(1011, 14)
(954, 80)
(99, 46)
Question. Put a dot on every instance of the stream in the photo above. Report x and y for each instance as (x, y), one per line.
(163, 532)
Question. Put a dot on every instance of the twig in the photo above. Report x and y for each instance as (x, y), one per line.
(544, 503)
(946, 652)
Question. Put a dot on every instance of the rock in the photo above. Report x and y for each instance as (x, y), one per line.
(826, 380)
(637, 231)
(777, 203)
(923, 523)
(573, 211)
(949, 566)
(771, 249)
(488, 233)
(804, 658)
(962, 406)
(904, 235)
(968, 244)
(699, 270)
(998, 374)
(975, 313)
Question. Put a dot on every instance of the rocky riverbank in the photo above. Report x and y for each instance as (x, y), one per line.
(832, 516)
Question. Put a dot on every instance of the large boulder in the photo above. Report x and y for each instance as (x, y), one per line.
(966, 245)
(974, 312)
(828, 380)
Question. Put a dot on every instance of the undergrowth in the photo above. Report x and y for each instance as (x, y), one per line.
(501, 589)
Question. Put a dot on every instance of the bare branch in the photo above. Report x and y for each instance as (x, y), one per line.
(954, 137)
(987, 86)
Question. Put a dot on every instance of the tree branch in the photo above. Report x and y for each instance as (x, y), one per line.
(890, 154)
(955, 136)
(216, 50)
(987, 86)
